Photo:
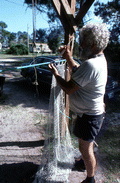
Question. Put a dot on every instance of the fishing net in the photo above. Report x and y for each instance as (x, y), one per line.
(58, 153)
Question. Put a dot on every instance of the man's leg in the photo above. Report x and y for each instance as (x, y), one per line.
(86, 148)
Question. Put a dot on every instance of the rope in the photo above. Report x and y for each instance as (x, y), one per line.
(60, 110)
(27, 66)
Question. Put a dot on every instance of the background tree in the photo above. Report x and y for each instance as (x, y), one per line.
(12, 38)
(55, 39)
(3, 33)
(3, 26)
(22, 37)
(18, 49)
(16, 41)
(41, 35)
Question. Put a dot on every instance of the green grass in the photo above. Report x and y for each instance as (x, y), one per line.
(40, 119)
(2, 55)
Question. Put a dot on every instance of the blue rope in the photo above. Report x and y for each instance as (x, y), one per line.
(60, 110)
(33, 65)
(45, 63)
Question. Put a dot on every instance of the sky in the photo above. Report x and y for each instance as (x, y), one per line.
(18, 16)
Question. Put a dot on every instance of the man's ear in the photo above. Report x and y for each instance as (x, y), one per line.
(94, 48)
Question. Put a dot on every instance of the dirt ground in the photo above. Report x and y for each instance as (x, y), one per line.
(21, 139)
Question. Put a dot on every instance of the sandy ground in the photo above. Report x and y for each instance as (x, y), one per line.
(21, 138)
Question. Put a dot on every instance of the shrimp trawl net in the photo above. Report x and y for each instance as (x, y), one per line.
(58, 153)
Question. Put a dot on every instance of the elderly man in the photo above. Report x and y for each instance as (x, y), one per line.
(86, 90)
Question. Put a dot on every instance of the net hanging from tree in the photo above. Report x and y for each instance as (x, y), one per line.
(58, 153)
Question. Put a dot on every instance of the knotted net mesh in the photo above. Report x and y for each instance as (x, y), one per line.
(58, 153)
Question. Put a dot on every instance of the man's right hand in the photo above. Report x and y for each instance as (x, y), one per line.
(67, 55)
(66, 52)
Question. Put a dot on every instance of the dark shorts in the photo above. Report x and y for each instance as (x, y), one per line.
(87, 127)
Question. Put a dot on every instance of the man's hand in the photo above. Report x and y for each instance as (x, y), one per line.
(66, 52)
(67, 55)
(67, 86)
(53, 69)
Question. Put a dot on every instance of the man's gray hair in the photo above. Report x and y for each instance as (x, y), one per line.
(97, 34)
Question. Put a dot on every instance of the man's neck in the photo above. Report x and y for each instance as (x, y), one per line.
(93, 55)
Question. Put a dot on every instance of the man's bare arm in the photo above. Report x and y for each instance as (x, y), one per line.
(67, 86)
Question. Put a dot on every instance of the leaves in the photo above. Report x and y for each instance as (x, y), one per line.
(54, 39)
(18, 49)
(41, 35)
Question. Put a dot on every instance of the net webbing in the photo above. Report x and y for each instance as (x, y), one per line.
(58, 152)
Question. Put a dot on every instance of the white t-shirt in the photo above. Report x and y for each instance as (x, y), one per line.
(91, 77)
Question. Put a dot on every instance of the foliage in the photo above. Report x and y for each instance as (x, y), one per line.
(112, 52)
(3, 26)
(22, 37)
(41, 35)
(54, 39)
(18, 49)
(11, 38)
(110, 13)
(3, 33)
(53, 44)
(7, 38)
